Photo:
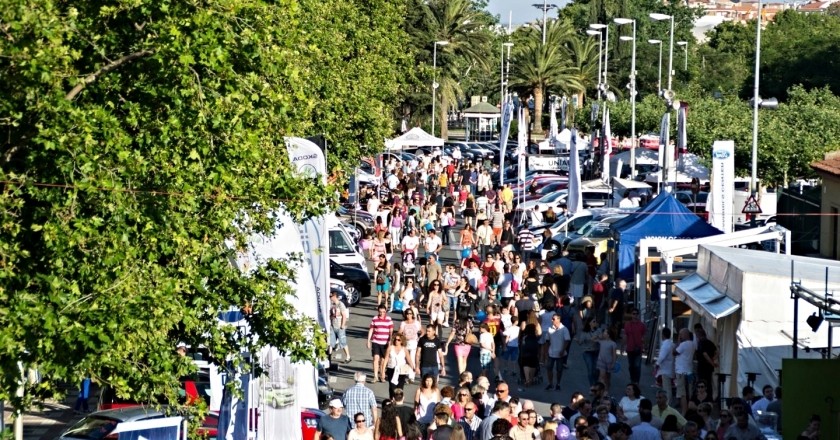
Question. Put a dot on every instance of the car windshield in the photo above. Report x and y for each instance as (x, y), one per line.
(550, 197)
(339, 243)
(600, 231)
(93, 428)
(587, 227)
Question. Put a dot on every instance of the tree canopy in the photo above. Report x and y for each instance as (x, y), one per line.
(140, 136)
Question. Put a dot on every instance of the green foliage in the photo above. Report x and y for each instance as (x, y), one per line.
(790, 138)
(139, 137)
(538, 68)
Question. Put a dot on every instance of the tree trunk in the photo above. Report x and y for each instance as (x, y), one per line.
(444, 120)
(538, 109)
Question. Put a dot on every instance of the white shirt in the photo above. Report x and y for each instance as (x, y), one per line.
(558, 339)
(432, 243)
(484, 235)
(410, 243)
(760, 405)
(505, 280)
(456, 154)
(666, 358)
(392, 181)
(474, 277)
(481, 203)
(373, 205)
(684, 358)
(644, 431)
(512, 335)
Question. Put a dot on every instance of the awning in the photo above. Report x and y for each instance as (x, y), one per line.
(705, 299)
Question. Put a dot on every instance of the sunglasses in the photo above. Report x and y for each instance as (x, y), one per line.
(360, 421)
(463, 395)
(501, 391)
(469, 409)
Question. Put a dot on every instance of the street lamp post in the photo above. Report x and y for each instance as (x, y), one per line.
(756, 104)
(434, 81)
(684, 45)
(600, 35)
(660, 17)
(544, 7)
(658, 81)
(622, 21)
(599, 27)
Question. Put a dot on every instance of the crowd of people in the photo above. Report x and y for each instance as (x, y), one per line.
(528, 317)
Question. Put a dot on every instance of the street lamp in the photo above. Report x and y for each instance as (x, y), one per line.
(507, 45)
(684, 44)
(658, 81)
(600, 55)
(660, 17)
(623, 21)
(434, 81)
(545, 7)
(600, 26)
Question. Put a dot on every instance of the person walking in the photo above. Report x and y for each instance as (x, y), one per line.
(588, 339)
(379, 333)
(339, 315)
(558, 339)
(334, 423)
(634, 337)
(485, 238)
(429, 358)
(664, 368)
(398, 364)
(683, 367)
(361, 399)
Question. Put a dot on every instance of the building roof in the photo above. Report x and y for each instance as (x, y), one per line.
(814, 6)
(829, 165)
(483, 107)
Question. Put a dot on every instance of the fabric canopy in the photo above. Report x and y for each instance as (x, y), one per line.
(663, 217)
(415, 137)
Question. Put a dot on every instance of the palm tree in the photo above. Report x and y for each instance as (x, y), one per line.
(466, 28)
(584, 56)
(538, 68)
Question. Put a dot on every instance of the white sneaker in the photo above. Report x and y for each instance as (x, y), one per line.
(446, 324)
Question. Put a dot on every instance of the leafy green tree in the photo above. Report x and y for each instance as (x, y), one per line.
(139, 138)
(467, 29)
(539, 68)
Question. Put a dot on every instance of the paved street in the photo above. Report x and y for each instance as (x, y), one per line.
(574, 378)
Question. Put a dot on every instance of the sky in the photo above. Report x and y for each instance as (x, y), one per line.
(522, 10)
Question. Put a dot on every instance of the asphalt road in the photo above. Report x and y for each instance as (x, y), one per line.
(574, 378)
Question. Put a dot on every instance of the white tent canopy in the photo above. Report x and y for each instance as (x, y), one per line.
(743, 299)
(643, 157)
(415, 137)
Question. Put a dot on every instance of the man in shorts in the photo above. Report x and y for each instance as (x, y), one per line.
(379, 335)
(338, 320)
(683, 366)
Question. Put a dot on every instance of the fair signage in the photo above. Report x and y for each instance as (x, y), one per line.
(721, 213)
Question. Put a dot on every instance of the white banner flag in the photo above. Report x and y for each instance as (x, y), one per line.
(574, 201)
(719, 202)
(607, 146)
(507, 116)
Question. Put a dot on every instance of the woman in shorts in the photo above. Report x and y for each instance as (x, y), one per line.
(436, 306)
(461, 330)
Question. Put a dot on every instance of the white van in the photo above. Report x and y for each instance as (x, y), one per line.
(342, 247)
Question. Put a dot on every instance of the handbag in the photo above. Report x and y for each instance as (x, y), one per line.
(451, 221)
(465, 252)
(398, 305)
(471, 339)
(380, 279)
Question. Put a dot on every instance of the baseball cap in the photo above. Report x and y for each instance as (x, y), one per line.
(336, 403)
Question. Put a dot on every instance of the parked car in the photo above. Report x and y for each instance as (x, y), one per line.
(596, 236)
(309, 422)
(361, 220)
(100, 424)
(356, 281)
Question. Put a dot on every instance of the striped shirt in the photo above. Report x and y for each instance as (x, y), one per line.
(526, 239)
(382, 328)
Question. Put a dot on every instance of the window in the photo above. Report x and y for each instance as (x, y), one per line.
(339, 244)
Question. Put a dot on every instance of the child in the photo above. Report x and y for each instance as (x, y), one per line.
(488, 349)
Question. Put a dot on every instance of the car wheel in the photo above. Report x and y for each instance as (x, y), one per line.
(361, 229)
(353, 294)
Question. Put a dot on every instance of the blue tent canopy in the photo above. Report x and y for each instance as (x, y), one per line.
(663, 217)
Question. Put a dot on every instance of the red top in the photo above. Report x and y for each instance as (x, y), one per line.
(494, 322)
(382, 328)
(634, 331)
